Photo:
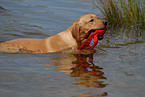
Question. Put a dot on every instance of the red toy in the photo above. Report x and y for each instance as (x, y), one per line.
(93, 35)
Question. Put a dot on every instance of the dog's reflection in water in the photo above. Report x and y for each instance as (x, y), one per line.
(82, 67)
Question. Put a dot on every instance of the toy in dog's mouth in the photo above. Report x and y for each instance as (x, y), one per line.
(94, 34)
(100, 37)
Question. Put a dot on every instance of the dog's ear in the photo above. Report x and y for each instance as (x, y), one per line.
(76, 33)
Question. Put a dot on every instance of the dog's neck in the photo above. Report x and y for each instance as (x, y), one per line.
(68, 38)
(61, 41)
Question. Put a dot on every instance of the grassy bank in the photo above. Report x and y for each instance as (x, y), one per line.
(123, 12)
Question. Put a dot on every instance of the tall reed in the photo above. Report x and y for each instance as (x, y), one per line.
(127, 12)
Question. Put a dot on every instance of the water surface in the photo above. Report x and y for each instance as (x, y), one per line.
(117, 70)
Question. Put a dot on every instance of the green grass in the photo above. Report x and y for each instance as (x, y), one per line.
(123, 12)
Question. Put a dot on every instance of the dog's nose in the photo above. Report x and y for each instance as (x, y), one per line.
(105, 22)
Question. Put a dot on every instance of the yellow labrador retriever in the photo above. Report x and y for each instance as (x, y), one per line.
(74, 36)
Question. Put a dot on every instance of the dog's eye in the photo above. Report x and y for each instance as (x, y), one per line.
(92, 20)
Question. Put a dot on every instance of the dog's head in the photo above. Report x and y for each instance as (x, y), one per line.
(85, 25)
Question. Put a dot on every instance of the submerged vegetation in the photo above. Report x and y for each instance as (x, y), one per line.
(1, 8)
(123, 12)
